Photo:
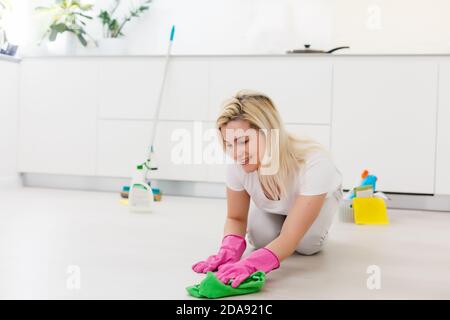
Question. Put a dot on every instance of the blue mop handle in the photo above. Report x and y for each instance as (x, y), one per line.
(158, 105)
(172, 33)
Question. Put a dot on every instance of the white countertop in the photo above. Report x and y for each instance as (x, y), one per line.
(5, 57)
(94, 55)
(303, 55)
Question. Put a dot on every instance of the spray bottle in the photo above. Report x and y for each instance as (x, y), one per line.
(141, 194)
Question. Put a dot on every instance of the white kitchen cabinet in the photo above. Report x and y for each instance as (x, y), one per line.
(129, 87)
(384, 120)
(443, 132)
(186, 90)
(9, 106)
(300, 88)
(58, 109)
(122, 144)
(216, 158)
(179, 148)
(318, 133)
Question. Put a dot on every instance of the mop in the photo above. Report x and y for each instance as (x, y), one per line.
(140, 193)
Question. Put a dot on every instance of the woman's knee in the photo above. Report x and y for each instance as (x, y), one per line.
(310, 245)
(315, 238)
(308, 249)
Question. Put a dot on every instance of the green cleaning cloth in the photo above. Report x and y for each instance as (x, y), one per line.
(213, 288)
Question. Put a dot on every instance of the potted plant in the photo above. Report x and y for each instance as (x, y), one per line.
(3, 7)
(113, 26)
(5, 46)
(68, 21)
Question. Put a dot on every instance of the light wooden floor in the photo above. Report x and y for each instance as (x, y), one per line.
(148, 256)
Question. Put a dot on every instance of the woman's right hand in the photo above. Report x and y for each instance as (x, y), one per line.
(231, 250)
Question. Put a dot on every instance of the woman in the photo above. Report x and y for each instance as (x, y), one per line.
(282, 191)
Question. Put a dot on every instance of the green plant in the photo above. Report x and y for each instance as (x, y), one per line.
(67, 16)
(5, 5)
(112, 28)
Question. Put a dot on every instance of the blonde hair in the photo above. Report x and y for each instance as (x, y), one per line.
(260, 112)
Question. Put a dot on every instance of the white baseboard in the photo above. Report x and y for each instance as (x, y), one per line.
(111, 184)
(419, 202)
(206, 189)
(13, 181)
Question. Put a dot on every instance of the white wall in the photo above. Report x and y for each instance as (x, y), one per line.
(207, 26)
(9, 72)
(273, 26)
(393, 26)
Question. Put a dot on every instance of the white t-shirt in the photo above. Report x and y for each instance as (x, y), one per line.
(319, 175)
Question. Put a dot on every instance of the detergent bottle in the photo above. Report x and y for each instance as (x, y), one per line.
(141, 195)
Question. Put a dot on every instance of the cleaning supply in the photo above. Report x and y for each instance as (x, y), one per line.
(231, 250)
(367, 180)
(260, 260)
(346, 211)
(213, 288)
(141, 195)
(363, 191)
(125, 192)
(150, 163)
(139, 192)
(370, 211)
(157, 194)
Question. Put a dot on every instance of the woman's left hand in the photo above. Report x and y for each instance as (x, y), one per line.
(260, 260)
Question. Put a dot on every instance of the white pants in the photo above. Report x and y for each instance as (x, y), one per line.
(264, 227)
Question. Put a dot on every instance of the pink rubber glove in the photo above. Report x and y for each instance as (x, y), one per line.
(260, 260)
(231, 250)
